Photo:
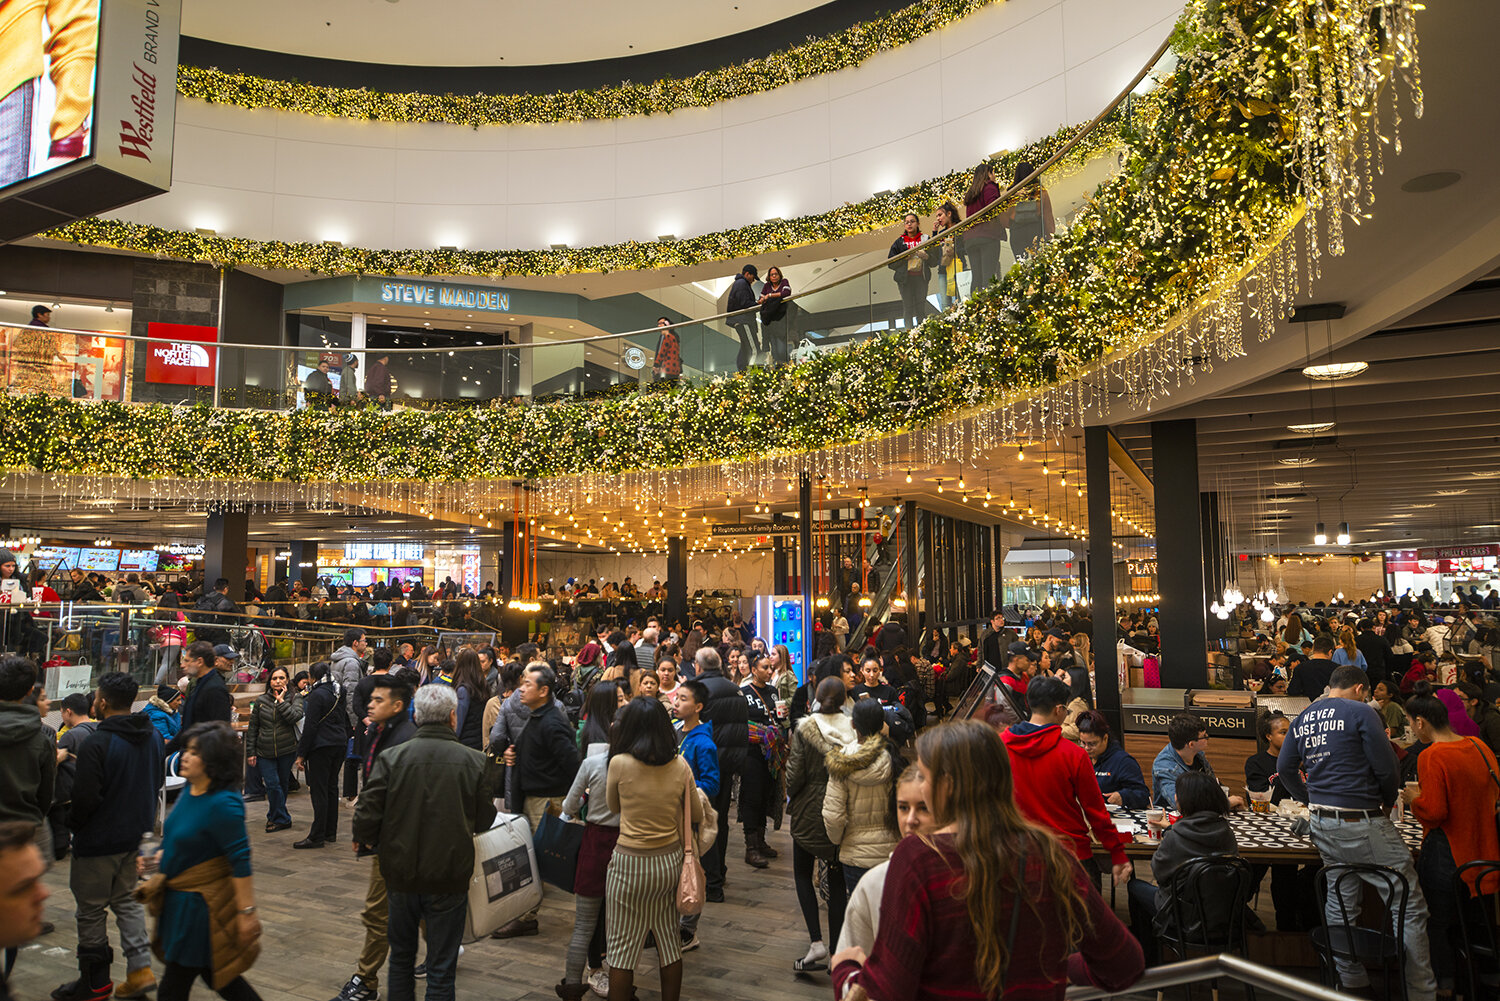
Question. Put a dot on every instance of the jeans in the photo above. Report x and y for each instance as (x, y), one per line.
(1437, 872)
(444, 915)
(913, 298)
(1376, 841)
(323, 784)
(1141, 896)
(749, 345)
(804, 866)
(166, 673)
(15, 123)
(774, 336)
(276, 775)
(984, 260)
(103, 883)
(852, 875)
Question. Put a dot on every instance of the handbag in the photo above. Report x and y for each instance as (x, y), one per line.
(692, 885)
(1493, 778)
(556, 844)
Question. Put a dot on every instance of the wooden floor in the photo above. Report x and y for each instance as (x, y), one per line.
(310, 901)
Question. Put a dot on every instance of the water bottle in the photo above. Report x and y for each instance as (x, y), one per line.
(150, 845)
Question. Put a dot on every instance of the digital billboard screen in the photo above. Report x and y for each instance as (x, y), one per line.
(99, 559)
(138, 560)
(49, 53)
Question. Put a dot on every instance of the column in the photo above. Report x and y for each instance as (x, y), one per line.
(909, 589)
(805, 568)
(1214, 546)
(357, 328)
(1179, 554)
(303, 552)
(1101, 576)
(778, 562)
(225, 548)
(677, 576)
(505, 582)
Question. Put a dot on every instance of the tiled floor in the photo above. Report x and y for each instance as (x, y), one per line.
(309, 903)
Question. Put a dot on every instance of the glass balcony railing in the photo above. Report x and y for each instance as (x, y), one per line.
(835, 302)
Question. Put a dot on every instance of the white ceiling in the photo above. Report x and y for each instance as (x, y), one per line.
(477, 32)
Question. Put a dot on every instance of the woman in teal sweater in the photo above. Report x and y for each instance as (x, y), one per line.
(205, 846)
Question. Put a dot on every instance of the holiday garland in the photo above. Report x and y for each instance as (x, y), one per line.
(1261, 118)
(811, 58)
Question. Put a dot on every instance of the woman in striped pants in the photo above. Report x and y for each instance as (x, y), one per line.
(645, 788)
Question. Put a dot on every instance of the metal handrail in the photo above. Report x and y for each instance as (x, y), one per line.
(1224, 965)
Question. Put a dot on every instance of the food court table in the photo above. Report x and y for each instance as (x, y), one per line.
(1262, 837)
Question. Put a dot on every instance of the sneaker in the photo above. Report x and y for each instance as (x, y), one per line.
(357, 990)
(689, 940)
(420, 971)
(599, 982)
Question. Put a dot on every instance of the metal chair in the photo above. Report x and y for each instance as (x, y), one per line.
(1370, 947)
(1210, 905)
(1479, 927)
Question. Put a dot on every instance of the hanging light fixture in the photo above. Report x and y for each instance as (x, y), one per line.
(1320, 537)
(1343, 536)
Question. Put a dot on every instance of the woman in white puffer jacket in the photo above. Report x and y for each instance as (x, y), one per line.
(858, 808)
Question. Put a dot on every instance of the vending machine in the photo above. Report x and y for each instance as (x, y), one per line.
(782, 621)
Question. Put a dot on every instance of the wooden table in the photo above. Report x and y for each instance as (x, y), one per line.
(1262, 837)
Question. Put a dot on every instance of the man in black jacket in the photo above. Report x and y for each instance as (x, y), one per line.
(28, 753)
(424, 802)
(545, 757)
(1376, 650)
(742, 296)
(209, 699)
(119, 776)
(209, 617)
(325, 737)
(728, 711)
(390, 725)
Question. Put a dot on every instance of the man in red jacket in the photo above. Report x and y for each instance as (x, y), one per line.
(1054, 779)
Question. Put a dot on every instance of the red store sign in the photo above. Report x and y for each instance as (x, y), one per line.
(187, 360)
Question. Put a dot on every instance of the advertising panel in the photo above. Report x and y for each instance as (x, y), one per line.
(53, 556)
(137, 105)
(138, 561)
(49, 54)
(187, 360)
(99, 559)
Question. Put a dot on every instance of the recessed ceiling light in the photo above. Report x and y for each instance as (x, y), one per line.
(1437, 180)
(1428, 504)
(1297, 460)
(1317, 428)
(1334, 371)
(1486, 474)
(1289, 484)
(1453, 493)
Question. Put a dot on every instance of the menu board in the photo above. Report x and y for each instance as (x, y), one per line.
(52, 556)
(99, 559)
(138, 560)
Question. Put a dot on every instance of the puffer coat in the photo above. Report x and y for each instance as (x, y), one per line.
(807, 778)
(857, 804)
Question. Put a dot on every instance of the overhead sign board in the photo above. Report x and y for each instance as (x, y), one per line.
(445, 296)
(785, 530)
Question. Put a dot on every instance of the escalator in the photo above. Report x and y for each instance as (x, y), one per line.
(891, 552)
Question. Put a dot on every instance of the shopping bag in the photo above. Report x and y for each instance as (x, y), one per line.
(505, 884)
(557, 843)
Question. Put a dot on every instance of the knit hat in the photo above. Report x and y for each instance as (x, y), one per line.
(168, 692)
(6, 556)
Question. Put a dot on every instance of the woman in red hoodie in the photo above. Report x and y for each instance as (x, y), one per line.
(991, 906)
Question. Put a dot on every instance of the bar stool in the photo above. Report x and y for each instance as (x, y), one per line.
(1370, 947)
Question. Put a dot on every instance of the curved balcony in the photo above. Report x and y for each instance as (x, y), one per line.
(1166, 212)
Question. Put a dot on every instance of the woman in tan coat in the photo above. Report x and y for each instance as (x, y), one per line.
(859, 808)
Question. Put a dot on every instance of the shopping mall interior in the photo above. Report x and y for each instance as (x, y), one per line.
(1147, 323)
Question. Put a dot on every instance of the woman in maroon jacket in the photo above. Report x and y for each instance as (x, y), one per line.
(991, 906)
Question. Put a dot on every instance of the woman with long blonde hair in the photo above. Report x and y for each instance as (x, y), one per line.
(991, 905)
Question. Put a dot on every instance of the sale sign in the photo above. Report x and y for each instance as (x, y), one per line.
(186, 358)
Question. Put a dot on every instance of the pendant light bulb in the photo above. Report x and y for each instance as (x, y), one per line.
(1320, 537)
(1343, 536)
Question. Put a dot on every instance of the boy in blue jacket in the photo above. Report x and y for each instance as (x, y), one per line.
(696, 743)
